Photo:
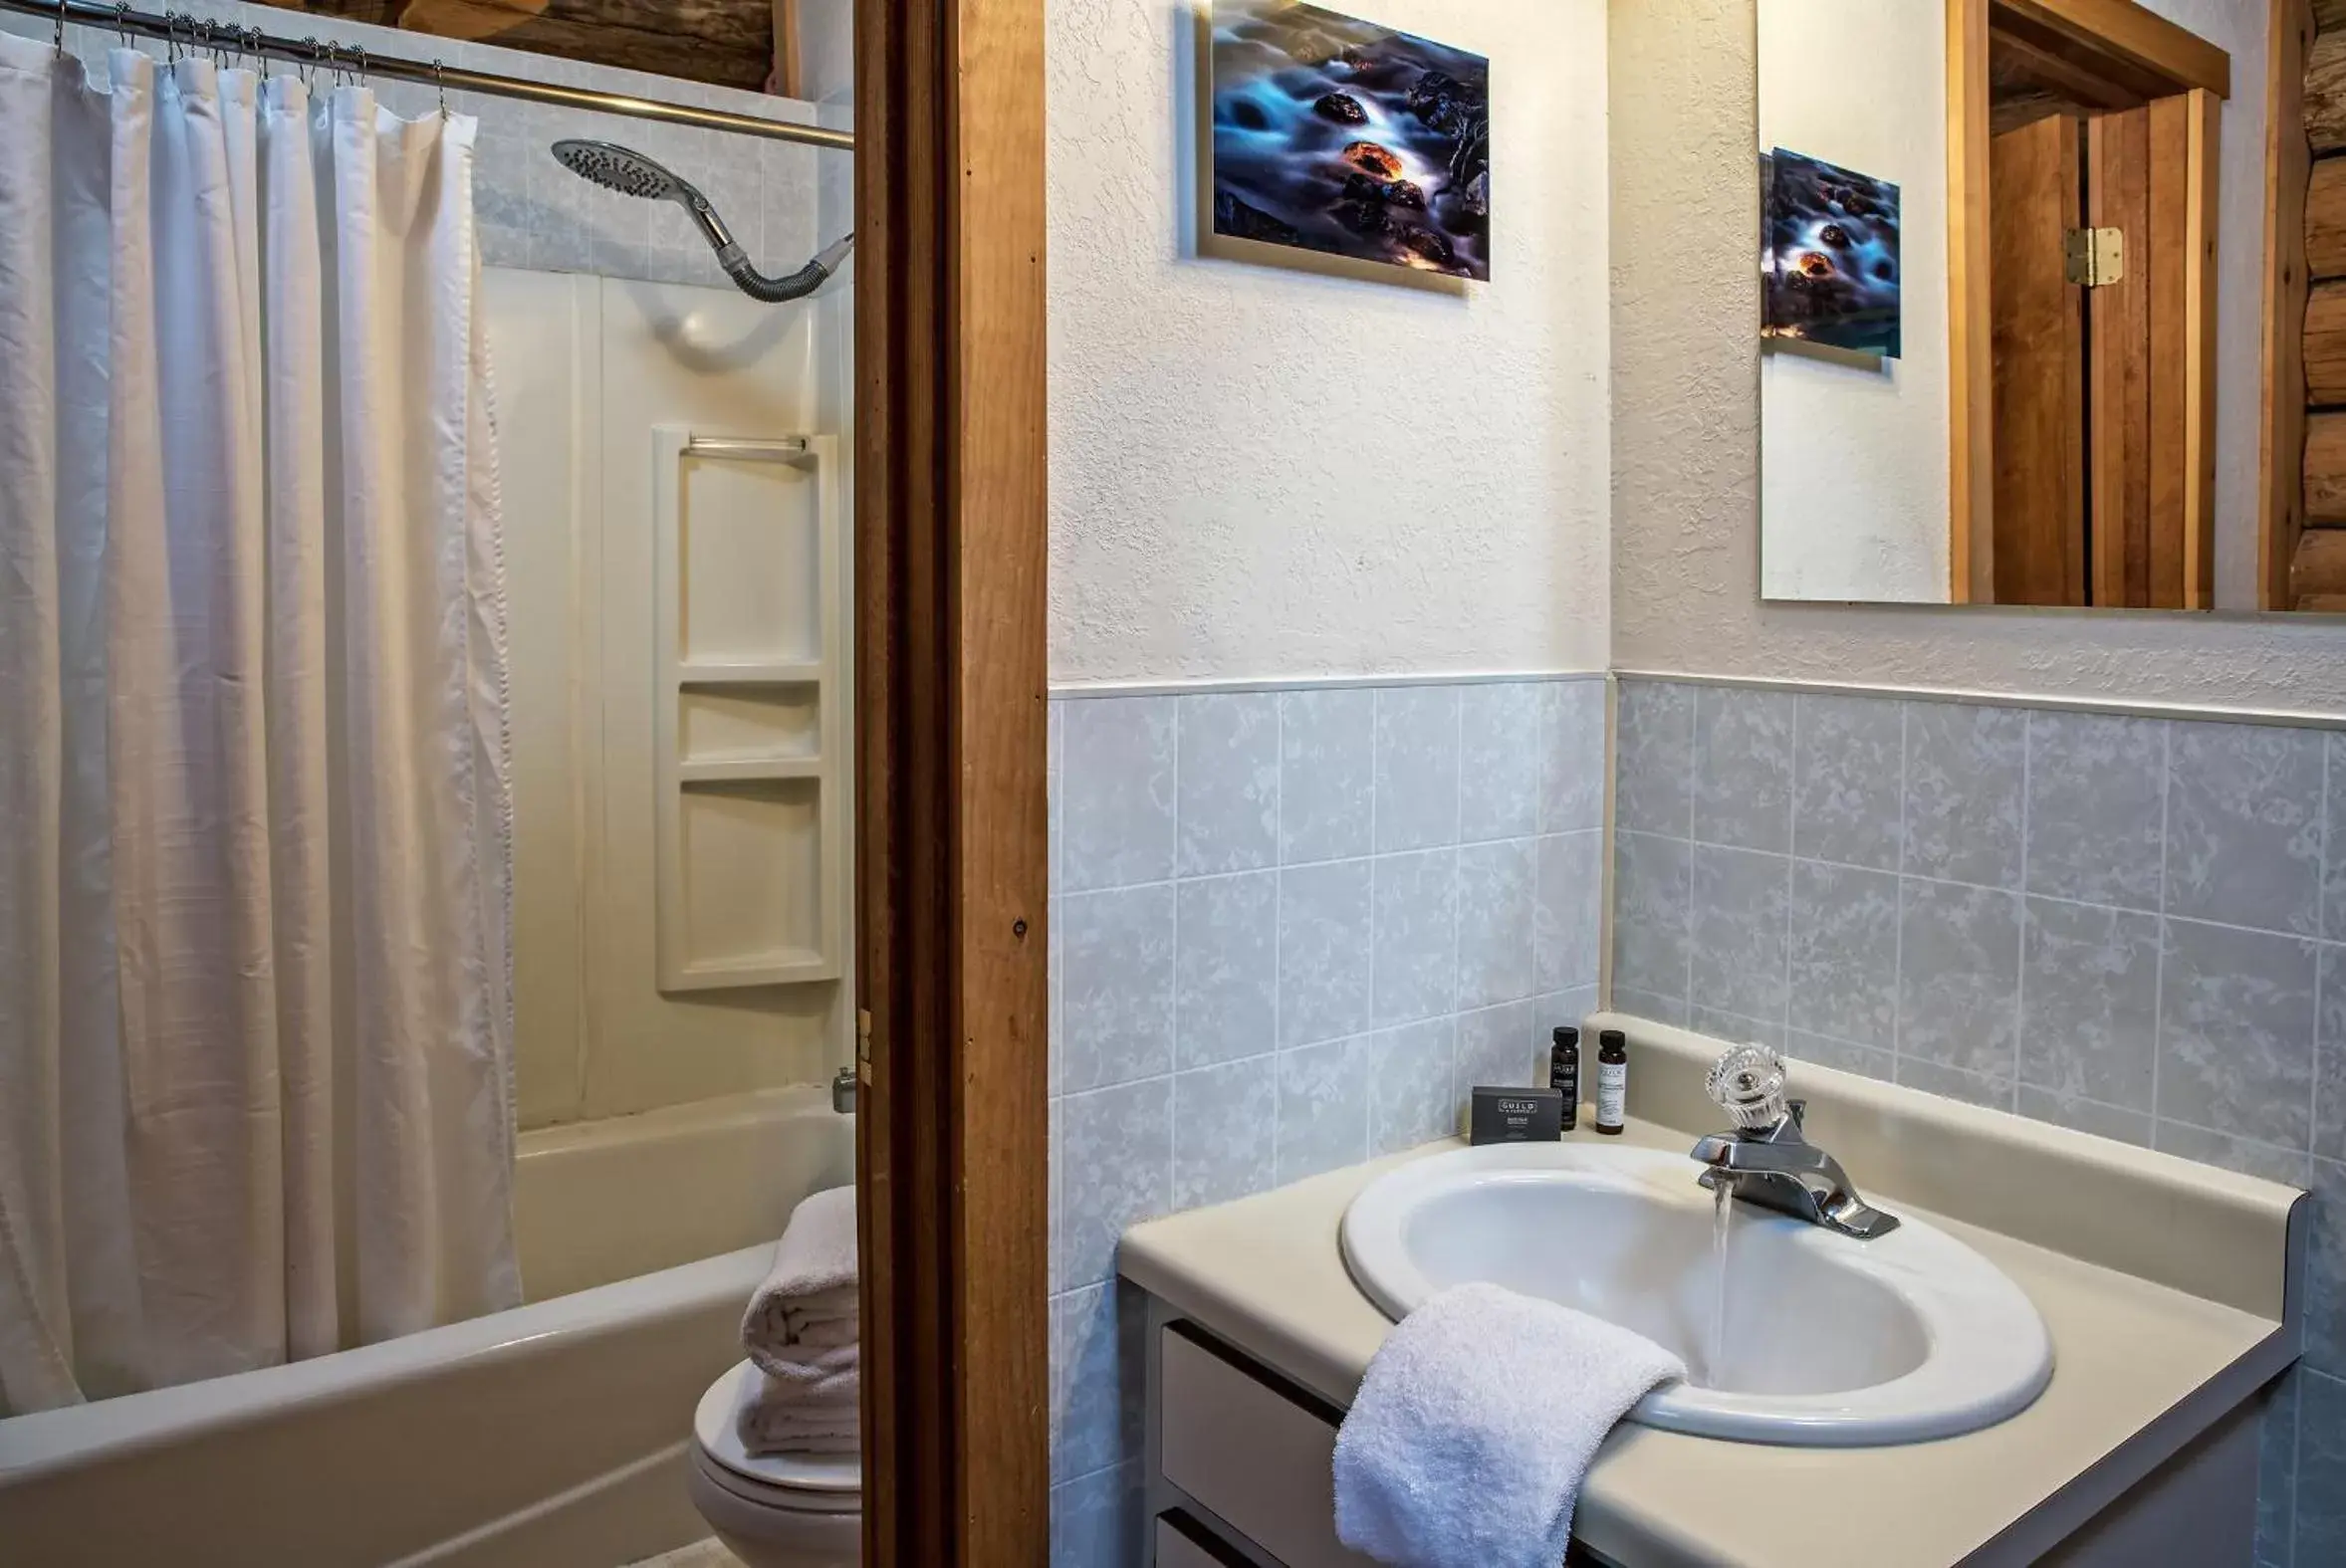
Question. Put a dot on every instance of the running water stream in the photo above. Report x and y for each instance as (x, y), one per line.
(1721, 1219)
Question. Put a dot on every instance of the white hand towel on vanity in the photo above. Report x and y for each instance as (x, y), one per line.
(1475, 1426)
(800, 1394)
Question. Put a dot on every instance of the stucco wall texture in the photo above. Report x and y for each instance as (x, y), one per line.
(1685, 535)
(1273, 473)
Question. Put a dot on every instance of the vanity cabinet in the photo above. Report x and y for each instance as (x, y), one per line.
(1239, 1475)
(1240, 1460)
(2172, 1295)
(1243, 1453)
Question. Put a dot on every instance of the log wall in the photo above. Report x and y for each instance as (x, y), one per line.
(2317, 570)
(726, 42)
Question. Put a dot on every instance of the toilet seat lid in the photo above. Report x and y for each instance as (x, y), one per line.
(719, 1434)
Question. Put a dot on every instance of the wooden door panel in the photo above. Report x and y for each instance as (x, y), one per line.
(2118, 196)
(2166, 263)
(2038, 333)
(2145, 171)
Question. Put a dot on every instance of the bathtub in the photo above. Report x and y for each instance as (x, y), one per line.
(552, 1435)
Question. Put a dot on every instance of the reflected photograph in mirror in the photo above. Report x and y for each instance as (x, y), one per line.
(1829, 256)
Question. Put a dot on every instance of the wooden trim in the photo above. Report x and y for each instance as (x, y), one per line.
(2282, 424)
(2058, 73)
(789, 67)
(1971, 365)
(952, 868)
(2201, 216)
(2139, 38)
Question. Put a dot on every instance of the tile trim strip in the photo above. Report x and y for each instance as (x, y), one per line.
(2189, 712)
(1072, 690)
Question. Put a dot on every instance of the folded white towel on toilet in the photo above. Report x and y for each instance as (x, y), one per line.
(809, 1302)
(824, 1315)
(827, 1333)
(774, 1417)
(818, 1378)
(1476, 1424)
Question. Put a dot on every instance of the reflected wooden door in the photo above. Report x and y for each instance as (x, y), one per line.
(2137, 177)
(2100, 485)
(2038, 332)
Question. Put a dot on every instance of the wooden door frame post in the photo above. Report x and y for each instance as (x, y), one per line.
(951, 867)
(1971, 366)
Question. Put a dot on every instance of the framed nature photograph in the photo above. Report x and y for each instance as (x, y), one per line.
(1348, 138)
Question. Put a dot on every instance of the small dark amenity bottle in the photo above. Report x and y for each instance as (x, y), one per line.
(1612, 1082)
(1563, 1072)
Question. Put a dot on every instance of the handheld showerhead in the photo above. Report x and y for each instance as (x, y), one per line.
(630, 173)
(619, 168)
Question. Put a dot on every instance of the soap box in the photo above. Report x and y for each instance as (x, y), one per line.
(1517, 1116)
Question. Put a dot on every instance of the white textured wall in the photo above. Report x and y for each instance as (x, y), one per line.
(1685, 428)
(1854, 457)
(1262, 472)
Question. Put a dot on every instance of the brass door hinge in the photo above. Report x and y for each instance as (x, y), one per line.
(2095, 257)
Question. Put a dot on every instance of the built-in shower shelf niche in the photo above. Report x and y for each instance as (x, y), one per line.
(752, 697)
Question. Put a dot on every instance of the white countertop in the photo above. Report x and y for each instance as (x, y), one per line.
(2140, 1368)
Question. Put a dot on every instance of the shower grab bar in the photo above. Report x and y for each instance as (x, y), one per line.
(173, 27)
(779, 449)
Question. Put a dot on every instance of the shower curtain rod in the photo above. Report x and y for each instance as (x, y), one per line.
(201, 35)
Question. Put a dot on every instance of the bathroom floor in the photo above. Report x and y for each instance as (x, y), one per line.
(700, 1554)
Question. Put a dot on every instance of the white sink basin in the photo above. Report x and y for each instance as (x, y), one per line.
(1829, 1341)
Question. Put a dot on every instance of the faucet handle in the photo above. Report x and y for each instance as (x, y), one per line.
(1748, 1083)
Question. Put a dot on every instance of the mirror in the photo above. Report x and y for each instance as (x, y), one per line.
(1989, 302)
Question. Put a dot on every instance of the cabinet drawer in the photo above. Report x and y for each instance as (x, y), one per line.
(1258, 1459)
(1178, 1548)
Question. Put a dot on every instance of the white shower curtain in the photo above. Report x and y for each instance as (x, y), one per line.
(255, 981)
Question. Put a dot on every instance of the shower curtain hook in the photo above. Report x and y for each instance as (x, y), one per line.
(123, 22)
(358, 74)
(439, 83)
(61, 5)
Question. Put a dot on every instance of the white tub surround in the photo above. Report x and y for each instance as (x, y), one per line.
(551, 1436)
(604, 1201)
(2170, 1290)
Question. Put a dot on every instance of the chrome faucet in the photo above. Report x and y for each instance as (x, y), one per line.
(1766, 1157)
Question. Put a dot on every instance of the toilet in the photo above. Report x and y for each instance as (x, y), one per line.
(776, 1510)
